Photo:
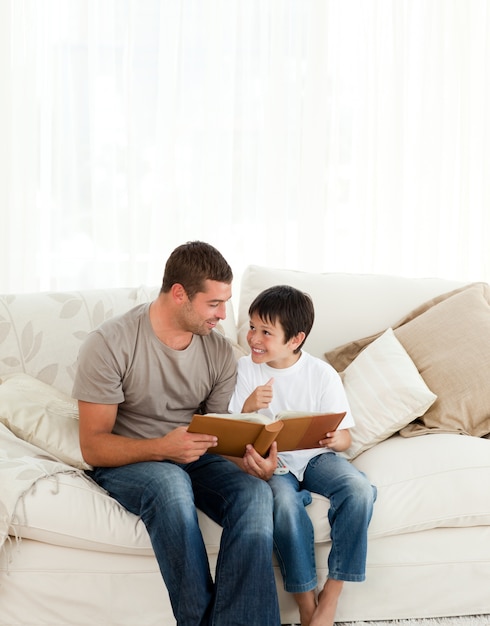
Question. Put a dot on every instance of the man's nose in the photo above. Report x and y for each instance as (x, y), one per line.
(221, 311)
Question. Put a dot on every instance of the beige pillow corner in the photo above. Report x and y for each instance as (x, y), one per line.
(43, 416)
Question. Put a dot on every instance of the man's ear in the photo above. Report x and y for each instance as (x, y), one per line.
(178, 293)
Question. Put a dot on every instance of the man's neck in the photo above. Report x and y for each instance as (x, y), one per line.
(165, 329)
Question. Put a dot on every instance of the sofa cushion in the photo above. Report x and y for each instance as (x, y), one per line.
(385, 392)
(423, 482)
(431, 481)
(70, 510)
(65, 507)
(43, 416)
(450, 343)
(448, 339)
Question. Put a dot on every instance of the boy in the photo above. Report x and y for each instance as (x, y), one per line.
(279, 376)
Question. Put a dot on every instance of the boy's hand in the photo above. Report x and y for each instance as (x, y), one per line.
(260, 398)
(256, 465)
(338, 440)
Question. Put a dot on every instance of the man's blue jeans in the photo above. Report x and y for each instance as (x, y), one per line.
(166, 495)
(351, 506)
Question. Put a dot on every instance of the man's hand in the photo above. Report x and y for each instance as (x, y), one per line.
(184, 447)
(260, 398)
(255, 465)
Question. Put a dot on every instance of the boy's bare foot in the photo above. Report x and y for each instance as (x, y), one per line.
(328, 597)
(307, 605)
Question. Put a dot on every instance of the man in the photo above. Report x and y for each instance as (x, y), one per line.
(140, 378)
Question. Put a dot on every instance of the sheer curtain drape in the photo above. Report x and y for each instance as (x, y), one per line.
(332, 135)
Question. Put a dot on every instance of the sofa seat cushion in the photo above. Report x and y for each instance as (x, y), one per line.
(430, 481)
(423, 482)
(63, 506)
(70, 510)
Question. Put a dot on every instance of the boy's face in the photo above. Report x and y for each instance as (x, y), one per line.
(267, 343)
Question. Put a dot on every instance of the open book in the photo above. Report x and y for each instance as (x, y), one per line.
(292, 430)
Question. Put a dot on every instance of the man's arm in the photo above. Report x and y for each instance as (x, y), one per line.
(101, 447)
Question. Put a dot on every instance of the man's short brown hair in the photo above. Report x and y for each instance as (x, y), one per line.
(191, 264)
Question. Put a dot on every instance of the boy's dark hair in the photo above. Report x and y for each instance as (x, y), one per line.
(292, 308)
(191, 263)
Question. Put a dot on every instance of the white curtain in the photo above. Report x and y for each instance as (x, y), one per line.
(326, 135)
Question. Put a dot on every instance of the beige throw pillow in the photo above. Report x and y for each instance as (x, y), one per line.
(385, 392)
(450, 344)
(43, 416)
(448, 339)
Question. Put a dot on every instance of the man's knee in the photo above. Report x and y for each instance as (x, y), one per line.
(254, 502)
(168, 485)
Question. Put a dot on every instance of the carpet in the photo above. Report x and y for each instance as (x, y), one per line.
(470, 620)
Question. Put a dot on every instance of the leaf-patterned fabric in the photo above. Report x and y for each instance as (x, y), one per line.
(45, 344)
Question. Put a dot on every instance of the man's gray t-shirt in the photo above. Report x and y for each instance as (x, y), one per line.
(157, 388)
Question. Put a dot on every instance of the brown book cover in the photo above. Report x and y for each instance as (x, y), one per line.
(291, 430)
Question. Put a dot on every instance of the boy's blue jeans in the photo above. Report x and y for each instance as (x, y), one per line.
(351, 506)
(166, 495)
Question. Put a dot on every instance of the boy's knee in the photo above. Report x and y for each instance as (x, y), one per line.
(288, 500)
(364, 492)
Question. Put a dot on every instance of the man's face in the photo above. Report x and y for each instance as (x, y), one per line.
(201, 314)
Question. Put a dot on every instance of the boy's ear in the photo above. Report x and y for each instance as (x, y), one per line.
(297, 340)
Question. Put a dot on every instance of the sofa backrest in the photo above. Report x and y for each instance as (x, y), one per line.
(41, 333)
(347, 306)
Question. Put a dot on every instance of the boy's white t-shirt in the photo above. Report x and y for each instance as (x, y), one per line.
(310, 385)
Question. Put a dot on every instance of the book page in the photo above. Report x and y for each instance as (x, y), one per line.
(284, 415)
(255, 418)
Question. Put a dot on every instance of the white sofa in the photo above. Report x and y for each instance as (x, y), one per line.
(71, 555)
